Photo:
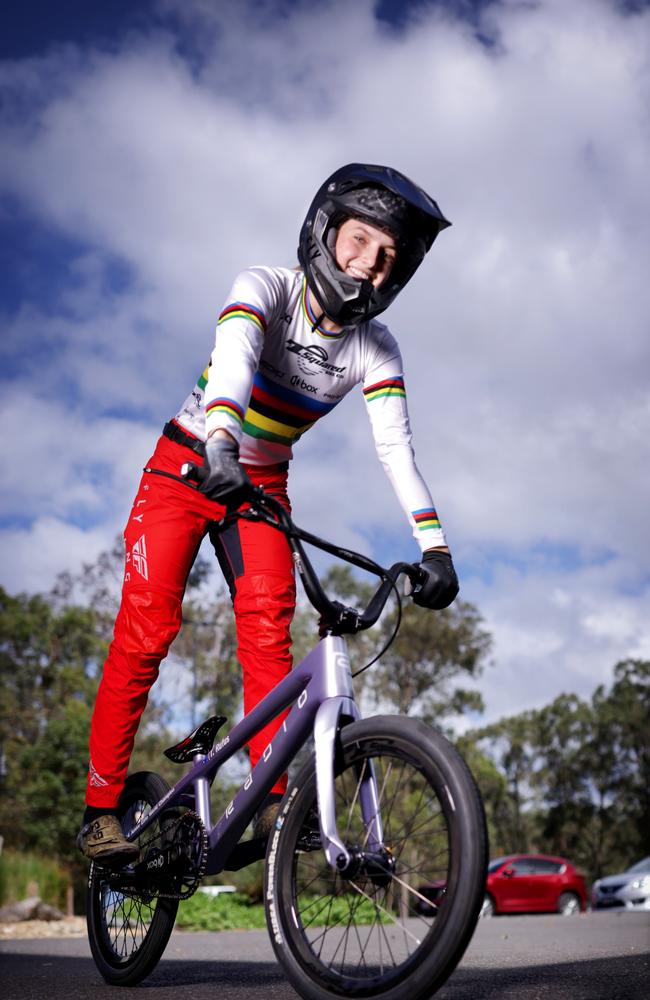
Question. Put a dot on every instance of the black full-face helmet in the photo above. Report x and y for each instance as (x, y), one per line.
(381, 197)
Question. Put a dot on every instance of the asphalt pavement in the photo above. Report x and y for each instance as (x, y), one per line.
(594, 956)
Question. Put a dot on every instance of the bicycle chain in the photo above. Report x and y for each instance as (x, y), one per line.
(148, 886)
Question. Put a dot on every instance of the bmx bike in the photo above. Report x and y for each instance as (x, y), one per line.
(384, 807)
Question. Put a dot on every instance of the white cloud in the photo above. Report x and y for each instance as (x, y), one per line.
(32, 558)
(524, 335)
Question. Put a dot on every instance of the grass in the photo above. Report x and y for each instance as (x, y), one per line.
(23, 874)
(234, 911)
(227, 912)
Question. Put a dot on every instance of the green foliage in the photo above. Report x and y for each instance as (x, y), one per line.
(420, 671)
(46, 658)
(208, 643)
(49, 661)
(20, 872)
(234, 911)
(225, 912)
(577, 774)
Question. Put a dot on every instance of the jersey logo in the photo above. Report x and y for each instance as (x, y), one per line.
(313, 360)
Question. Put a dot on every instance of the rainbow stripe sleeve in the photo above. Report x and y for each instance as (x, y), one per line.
(224, 405)
(243, 310)
(388, 387)
(425, 519)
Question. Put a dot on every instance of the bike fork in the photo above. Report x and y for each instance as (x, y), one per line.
(326, 734)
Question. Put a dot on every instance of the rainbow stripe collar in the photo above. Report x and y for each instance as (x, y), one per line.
(308, 313)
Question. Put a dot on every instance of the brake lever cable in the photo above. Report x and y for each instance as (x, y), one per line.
(393, 635)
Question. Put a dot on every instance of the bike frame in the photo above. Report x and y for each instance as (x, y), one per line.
(320, 688)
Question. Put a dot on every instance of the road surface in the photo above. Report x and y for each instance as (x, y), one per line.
(595, 956)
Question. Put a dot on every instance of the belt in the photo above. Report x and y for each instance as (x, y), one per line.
(177, 434)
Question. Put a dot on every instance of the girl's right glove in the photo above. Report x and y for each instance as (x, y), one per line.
(226, 480)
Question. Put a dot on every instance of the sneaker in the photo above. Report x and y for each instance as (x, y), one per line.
(102, 840)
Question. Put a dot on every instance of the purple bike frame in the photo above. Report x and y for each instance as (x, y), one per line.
(320, 688)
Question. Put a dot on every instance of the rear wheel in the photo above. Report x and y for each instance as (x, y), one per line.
(129, 929)
(375, 933)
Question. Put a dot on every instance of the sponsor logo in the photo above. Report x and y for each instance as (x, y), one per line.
(94, 777)
(313, 360)
(139, 556)
(300, 383)
(276, 929)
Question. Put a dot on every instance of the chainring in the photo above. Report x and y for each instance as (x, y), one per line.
(172, 862)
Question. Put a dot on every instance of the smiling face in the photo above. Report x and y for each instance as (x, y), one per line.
(364, 251)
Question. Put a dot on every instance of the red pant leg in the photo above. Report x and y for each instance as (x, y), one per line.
(165, 529)
(259, 568)
(167, 523)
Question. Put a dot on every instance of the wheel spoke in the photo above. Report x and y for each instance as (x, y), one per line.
(374, 930)
(352, 936)
(127, 925)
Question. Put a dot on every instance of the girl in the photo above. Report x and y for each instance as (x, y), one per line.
(290, 344)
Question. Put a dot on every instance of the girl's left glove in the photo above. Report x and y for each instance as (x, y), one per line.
(438, 586)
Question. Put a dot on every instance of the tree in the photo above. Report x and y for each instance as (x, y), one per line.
(508, 743)
(420, 671)
(49, 664)
(46, 658)
(621, 745)
(578, 773)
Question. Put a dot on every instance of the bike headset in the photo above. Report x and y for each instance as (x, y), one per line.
(384, 198)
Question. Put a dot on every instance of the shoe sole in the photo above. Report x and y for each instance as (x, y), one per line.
(113, 859)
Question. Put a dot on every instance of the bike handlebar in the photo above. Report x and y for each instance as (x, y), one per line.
(334, 615)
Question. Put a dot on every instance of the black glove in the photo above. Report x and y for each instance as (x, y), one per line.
(439, 585)
(224, 478)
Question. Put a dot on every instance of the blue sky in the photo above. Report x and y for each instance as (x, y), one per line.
(152, 150)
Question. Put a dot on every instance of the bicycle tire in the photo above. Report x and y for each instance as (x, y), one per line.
(434, 825)
(128, 931)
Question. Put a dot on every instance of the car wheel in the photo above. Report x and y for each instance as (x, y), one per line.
(487, 909)
(568, 904)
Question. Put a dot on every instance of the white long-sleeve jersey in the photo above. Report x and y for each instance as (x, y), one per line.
(272, 376)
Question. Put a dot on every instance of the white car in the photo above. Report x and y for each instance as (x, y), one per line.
(630, 890)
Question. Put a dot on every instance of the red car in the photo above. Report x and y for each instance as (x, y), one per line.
(533, 883)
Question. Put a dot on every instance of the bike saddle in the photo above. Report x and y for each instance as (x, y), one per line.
(199, 741)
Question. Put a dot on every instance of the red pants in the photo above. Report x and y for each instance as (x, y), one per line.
(167, 524)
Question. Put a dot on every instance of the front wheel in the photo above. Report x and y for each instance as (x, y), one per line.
(392, 932)
(128, 929)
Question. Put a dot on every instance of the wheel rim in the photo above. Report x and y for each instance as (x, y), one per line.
(359, 932)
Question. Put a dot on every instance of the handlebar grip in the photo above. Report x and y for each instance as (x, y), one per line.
(413, 580)
(193, 473)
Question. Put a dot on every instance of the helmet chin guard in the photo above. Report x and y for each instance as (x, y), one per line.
(384, 198)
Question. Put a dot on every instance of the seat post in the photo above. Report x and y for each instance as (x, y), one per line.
(202, 794)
